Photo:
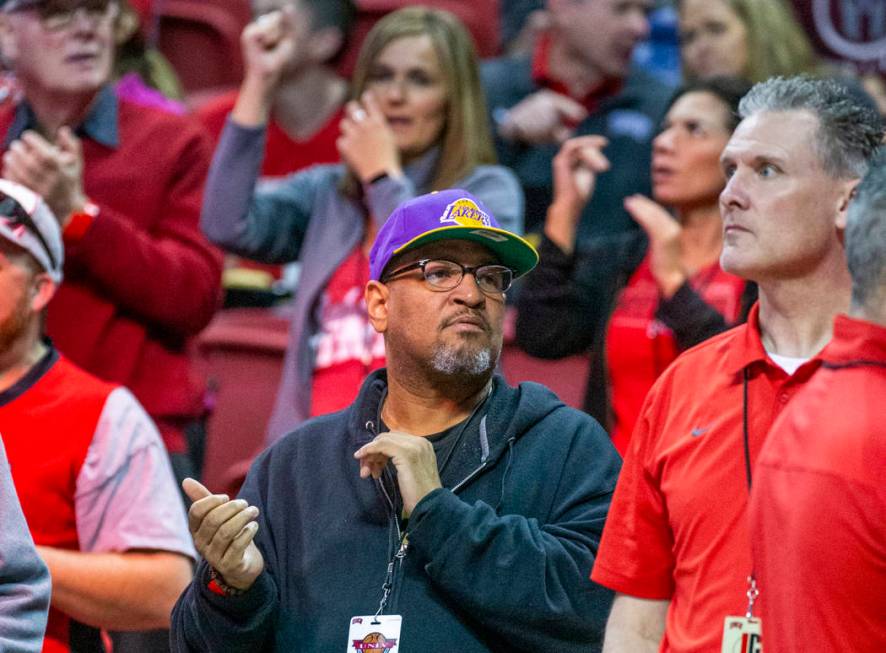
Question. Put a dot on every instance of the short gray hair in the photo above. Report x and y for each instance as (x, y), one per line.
(849, 131)
(866, 234)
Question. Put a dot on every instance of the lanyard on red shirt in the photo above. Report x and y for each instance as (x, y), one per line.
(753, 591)
(744, 634)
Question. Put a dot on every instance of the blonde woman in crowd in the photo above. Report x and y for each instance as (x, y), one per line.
(753, 39)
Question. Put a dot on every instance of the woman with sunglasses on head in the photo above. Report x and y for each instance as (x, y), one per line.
(416, 123)
(638, 299)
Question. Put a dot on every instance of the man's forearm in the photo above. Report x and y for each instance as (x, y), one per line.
(635, 625)
(117, 591)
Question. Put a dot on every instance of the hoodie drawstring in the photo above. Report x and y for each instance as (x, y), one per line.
(504, 477)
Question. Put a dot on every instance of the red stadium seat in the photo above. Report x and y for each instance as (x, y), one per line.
(241, 352)
(201, 39)
(567, 377)
(481, 19)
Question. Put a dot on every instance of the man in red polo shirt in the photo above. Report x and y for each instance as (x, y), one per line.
(818, 509)
(579, 81)
(676, 547)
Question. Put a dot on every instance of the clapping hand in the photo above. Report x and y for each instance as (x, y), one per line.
(52, 170)
(664, 234)
(575, 170)
(223, 532)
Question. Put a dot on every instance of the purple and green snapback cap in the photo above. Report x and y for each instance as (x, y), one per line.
(452, 214)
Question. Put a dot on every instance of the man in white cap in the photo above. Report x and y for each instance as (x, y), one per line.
(91, 471)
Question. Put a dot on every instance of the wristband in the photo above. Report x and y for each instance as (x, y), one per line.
(79, 221)
(217, 585)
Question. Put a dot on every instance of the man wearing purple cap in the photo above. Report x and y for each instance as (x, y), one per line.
(443, 509)
(94, 481)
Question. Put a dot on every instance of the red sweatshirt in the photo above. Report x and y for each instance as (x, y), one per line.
(142, 280)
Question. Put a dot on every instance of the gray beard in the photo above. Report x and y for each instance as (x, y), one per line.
(453, 362)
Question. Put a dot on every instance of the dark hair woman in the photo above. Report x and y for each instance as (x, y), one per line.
(638, 298)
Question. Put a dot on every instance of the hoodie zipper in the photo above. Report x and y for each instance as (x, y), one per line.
(396, 561)
(395, 564)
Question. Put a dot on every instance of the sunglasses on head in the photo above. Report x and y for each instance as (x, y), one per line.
(15, 214)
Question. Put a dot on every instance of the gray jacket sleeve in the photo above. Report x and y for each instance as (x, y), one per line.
(24, 578)
(263, 221)
(495, 186)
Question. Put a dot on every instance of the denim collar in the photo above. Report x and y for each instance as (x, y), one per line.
(100, 124)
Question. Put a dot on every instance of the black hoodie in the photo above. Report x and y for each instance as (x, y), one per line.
(497, 560)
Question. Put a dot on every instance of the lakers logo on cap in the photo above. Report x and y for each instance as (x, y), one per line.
(466, 213)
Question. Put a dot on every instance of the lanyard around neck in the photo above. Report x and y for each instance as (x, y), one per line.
(745, 430)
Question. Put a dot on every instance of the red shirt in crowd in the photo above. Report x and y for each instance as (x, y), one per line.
(142, 280)
(818, 510)
(677, 529)
(283, 154)
(639, 347)
(346, 347)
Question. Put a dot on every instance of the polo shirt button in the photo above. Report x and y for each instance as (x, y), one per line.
(783, 397)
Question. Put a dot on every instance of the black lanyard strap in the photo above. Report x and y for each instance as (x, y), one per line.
(753, 591)
(745, 430)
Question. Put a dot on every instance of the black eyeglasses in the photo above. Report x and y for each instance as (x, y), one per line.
(57, 15)
(15, 214)
(441, 274)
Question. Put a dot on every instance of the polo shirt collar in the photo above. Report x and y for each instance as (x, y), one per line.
(100, 124)
(856, 340)
(543, 77)
(748, 349)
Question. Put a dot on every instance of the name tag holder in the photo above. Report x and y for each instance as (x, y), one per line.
(744, 634)
(379, 633)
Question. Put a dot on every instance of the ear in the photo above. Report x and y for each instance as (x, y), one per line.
(42, 290)
(847, 192)
(324, 44)
(8, 45)
(377, 297)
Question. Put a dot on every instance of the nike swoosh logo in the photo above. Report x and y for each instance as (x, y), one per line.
(696, 432)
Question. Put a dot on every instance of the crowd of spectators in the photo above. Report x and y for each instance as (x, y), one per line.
(123, 199)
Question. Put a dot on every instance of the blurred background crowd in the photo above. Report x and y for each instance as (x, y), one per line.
(548, 71)
(229, 163)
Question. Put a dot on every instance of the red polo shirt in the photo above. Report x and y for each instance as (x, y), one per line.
(677, 528)
(818, 510)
